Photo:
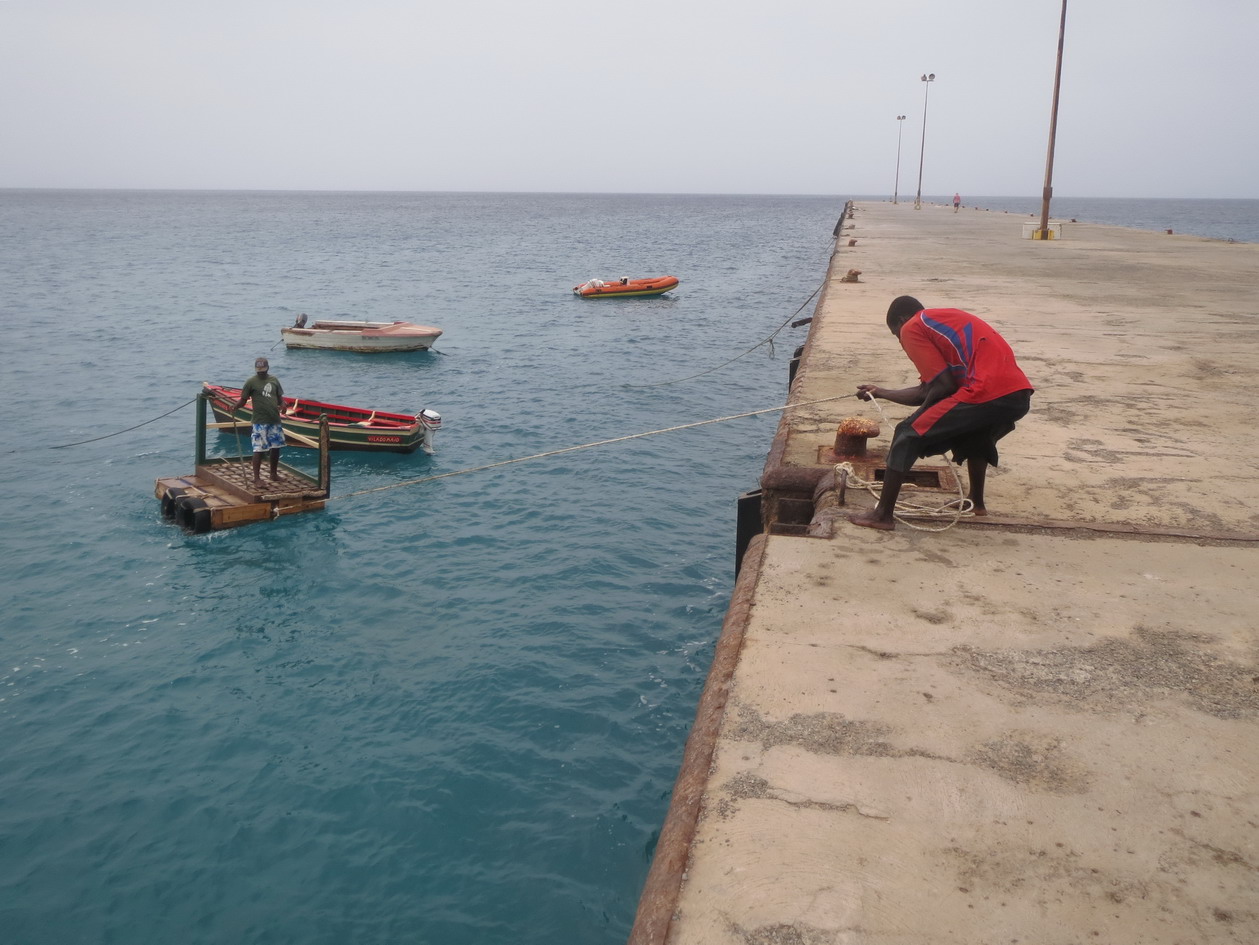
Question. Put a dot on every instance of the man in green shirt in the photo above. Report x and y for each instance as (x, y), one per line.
(268, 400)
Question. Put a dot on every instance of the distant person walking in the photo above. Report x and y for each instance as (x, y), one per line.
(957, 202)
(970, 395)
(267, 398)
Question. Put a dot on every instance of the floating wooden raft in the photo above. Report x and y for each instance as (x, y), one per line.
(221, 492)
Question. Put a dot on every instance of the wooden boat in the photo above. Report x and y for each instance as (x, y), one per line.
(360, 336)
(349, 428)
(625, 288)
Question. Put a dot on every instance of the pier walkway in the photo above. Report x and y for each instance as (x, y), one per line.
(1037, 727)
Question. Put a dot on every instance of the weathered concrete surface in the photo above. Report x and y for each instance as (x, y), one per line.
(1039, 727)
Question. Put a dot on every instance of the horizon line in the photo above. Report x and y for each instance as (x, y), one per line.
(571, 193)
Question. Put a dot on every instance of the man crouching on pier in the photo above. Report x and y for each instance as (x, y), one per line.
(971, 394)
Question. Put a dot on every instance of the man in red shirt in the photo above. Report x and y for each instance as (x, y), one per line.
(970, 395)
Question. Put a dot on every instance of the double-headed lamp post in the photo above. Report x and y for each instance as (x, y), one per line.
(900, 126)
(922, 150)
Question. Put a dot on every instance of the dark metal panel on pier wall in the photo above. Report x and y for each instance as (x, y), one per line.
(748, 525)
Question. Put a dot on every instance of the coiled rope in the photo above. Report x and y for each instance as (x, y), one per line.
(904, 510)
(584, 446)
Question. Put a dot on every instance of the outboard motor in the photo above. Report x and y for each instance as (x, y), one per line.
(301, 321)
(431, 421)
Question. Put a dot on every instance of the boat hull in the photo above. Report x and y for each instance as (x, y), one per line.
(630, 289)
(363, 337)
(349, 428)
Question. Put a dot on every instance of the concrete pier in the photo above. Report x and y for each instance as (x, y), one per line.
(1041, 726)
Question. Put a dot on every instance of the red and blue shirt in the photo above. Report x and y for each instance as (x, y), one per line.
(980, 360)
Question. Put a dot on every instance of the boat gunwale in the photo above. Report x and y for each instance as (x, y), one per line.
(371, 420)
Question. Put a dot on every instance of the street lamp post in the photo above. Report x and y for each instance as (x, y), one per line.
(922, 150)
(900, 127)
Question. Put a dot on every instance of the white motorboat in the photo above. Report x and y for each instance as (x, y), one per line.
(360, 336)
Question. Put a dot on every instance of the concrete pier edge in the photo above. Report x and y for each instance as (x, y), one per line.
(664, 880)
(659, 896)
(1095, 307)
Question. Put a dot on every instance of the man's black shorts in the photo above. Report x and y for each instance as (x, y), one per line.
(966, 429)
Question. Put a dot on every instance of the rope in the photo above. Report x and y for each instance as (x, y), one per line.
(120, 432)
(769, 340)
(903, 511)
(246, 464)
(584, 446)
(874, 400)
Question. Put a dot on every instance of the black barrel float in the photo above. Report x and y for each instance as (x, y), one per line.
(193, 514)
(169, 498)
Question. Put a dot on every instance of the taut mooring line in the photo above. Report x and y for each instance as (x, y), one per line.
(120, 432)
(584, 446)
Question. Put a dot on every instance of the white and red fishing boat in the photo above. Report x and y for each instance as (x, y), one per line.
(349, 428)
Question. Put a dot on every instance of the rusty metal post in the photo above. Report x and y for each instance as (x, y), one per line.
(1048, 192)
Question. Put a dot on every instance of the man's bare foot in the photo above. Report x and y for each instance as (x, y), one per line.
(978, 510)
(257, 481)
(871, 519)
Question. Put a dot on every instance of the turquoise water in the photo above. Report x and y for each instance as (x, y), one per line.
(447, 713)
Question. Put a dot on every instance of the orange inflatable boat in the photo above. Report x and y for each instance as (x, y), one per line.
(625, 288)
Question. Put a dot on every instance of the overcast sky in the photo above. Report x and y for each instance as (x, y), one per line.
(685, 96)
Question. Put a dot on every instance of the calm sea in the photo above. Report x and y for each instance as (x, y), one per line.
(1236, 220)
(447, 713)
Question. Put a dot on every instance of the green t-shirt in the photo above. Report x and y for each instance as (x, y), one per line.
(267, 396)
